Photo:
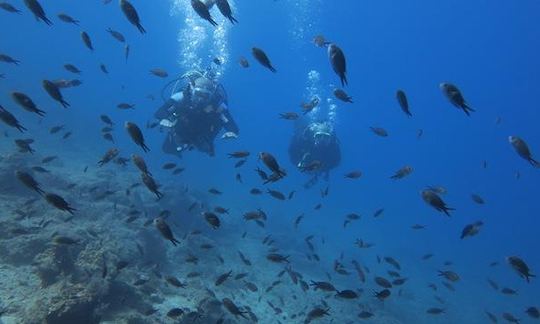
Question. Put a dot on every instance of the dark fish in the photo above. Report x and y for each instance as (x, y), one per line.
(8, 59)
(449, 275)
(64, 240)
(59, 203)
(37, 10)
(491, 317)
(323, 285)
(126, 51)
(455, 97)
(522, 150)
(222, 278)
(86, 40)
(238, 154)
(117, 35)
(365, 315)
(24, 146)
(338, 62)
(383, 282)
(9, 8)
(342, 95)
(317, 313)
(159, 73)
(26, 179)
(10, 120)
(212, 219)
(289, 116)
(270, 161)
(165, 230)
(151, 184)
(353, 175)
(54, 92)
(174, 282)
(136, 135)
(471, 229)
(108, 137)
(231, 307)
(131, 14)
(108, 156)
(262, 58)
(533, 312)
(435, 311)
(243, 62)
(278, 258)
(379, 131)
(202, 10)
(225, 9)
(124, 106)
(68, 19)
(403, 102)
(378, 212)
(66, 135)
(276, 194)
(382, 295)
(510, 318)
(520, 267)
(477, 199)
(72, 68)
(435, 201)
(347, 294)
(402, 173)
(48, 159)
(103, 68)
(175, 312)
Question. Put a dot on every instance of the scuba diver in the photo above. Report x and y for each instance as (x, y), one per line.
(314, 149)
(195, 115)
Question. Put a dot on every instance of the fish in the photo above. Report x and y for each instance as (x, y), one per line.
(379, 131)
(212, 219)
(520, 267)
(136, 135)
(159, 72)
(8, 59)
(132, 15)
(10, 120)
(338, 62)
(103, 68)
(9, 8)
(522, 149)
(232, 308)
(165, 230)
(87, 40)
(68, 19)
(202, 10)
(454, 95)
(116, 35)
(471, 229)
(53, 91)
(35, 7)
(243, 62)
(222, 278)
(271, 163)
(289, 116)
(262, 58)
(435, 201)
(477, 199)
(225, 9)
(403, 102)
(108, 156)
(402, 173)
(151, 184)
(58, 202)
(342, 95)
(353, 175)
(29, 181)
(72, 68)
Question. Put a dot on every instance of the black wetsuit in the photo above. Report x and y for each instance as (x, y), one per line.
(303, 148)
(195, 127)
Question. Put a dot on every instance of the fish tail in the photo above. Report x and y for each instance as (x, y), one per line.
(175, 241)
(233, 20)
(213, 22)
(141, 29)
(145, 148)
(65, 103)
(447, 210)
(271, 68)
(534, 163)
(47, 21)
(21, 128)
(40, 112)
(71, 210)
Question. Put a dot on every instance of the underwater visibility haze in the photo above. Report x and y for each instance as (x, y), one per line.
(269, 161)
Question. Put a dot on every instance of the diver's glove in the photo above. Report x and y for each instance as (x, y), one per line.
(229, 135)
(167, 123)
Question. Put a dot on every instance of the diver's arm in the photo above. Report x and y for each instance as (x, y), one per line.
(169, 107)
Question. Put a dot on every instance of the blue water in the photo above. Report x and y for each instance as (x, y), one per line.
(488, 49)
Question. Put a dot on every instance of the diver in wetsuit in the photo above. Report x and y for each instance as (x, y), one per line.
(196, 115)
(314, 149)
